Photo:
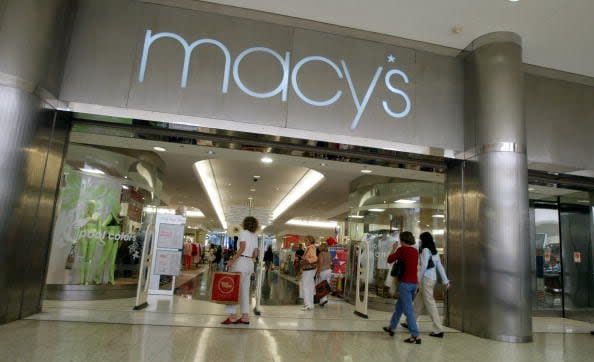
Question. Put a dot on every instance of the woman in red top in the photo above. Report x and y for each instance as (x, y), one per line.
(409, 256)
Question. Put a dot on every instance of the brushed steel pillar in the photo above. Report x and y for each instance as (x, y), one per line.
(32, 141)
(489, 243)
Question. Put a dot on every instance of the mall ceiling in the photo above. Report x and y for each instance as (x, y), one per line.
(557, 34)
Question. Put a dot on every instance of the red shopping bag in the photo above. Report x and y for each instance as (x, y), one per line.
(225, 288)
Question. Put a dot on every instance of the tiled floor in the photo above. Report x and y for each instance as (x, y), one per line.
(33, 340)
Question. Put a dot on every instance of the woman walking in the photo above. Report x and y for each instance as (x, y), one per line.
(308, 266)
(323, 269)
(430, 266)
(409, 256)
(243, 262)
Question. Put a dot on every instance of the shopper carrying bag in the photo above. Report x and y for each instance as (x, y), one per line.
(308, 266)
(243, 263)
(323, 273)
(408, 255)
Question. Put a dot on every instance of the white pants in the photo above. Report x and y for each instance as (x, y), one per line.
(309, 287)
(324, 275)
(426, 301)
(246, 267)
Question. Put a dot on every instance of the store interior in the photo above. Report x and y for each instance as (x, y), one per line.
(115, 183)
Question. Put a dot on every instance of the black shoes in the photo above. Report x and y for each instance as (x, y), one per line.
(413, 340)
(389, 331)
(323, 303)
(404, 325)
(436, 335)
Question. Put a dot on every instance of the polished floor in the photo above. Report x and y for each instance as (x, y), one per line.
(33, 340)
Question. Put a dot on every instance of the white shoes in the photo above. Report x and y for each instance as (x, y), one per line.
(305, 308)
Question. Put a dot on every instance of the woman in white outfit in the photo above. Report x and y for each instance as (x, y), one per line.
(428, 274)
(243, 262)
(324, 269)
(308, 266)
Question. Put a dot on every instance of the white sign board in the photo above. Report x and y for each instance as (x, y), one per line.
(167, 262)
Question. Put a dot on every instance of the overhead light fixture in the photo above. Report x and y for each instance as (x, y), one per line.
(252, 190)
(211, 152)
(514, 1)
(194, 213)
(365, 170)
(158, 210)
(313, 223)
(438, 232)
(584, 201)
(92, 170)
(323, 164)
(159, 149)
(206, 176)
(125, 187)
(531, 189)
(438, 216)
(356, 216)
(377, 210)
(255, 176)
(309, 180)
(405, 201)
(266, 159)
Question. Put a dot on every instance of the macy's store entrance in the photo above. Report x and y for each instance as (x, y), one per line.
(125, 181)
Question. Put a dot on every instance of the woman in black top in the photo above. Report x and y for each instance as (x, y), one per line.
(268, 256)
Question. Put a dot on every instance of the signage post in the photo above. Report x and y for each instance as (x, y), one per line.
(169, 239)
(363, 261)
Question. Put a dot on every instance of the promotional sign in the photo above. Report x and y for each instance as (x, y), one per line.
(169, 234)
(577, 257)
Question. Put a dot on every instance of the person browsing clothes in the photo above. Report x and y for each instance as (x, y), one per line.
(409, 256)
(243, 262)
(430, 266)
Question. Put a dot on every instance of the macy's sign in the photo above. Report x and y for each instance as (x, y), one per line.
(288, 75)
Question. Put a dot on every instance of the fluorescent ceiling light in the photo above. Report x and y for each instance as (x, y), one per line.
(158, 210)
(206, 176)
(439, 216)
(266, 159)
(194, 213)
(377, 210)
(356, 216)
(313, 223)
(125, 187)
(159, 149)
(91, 170)
(405, 201)
(306, 184)
(438, 231)
(366, 171)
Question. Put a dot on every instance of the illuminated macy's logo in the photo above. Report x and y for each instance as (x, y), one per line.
(342, 72)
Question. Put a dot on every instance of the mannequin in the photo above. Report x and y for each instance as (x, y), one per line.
(88, 242)
(112, 227)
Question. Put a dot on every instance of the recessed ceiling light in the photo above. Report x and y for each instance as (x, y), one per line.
(211, 152)
(531, 189)
(266, 159)
(256, 176)
(206, 174)
(323, 164)
(159, 149)
(377, 210)
(125, 187)
(356, 216)
(125, 176)
(309, 180)
(439, 216)
(253, 190)
(91, 170)
(313, 223)
(405, 201)
(514, 1)
(365, 170)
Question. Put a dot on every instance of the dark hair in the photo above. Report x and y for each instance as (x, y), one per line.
(407, 238)
(428, 242)
(250, 224)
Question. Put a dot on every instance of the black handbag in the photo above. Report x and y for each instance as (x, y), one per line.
(430, 264)
(397, 269)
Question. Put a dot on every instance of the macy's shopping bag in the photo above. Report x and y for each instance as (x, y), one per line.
(225, 288)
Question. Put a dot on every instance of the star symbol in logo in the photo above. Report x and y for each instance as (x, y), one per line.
(391, 58)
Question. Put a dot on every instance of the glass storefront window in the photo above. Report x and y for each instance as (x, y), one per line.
(100, 222)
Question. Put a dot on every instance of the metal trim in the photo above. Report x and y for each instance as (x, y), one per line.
(513, 339)
(503, 147)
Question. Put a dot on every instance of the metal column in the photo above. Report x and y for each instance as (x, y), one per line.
(488, 218)
(32, 142)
